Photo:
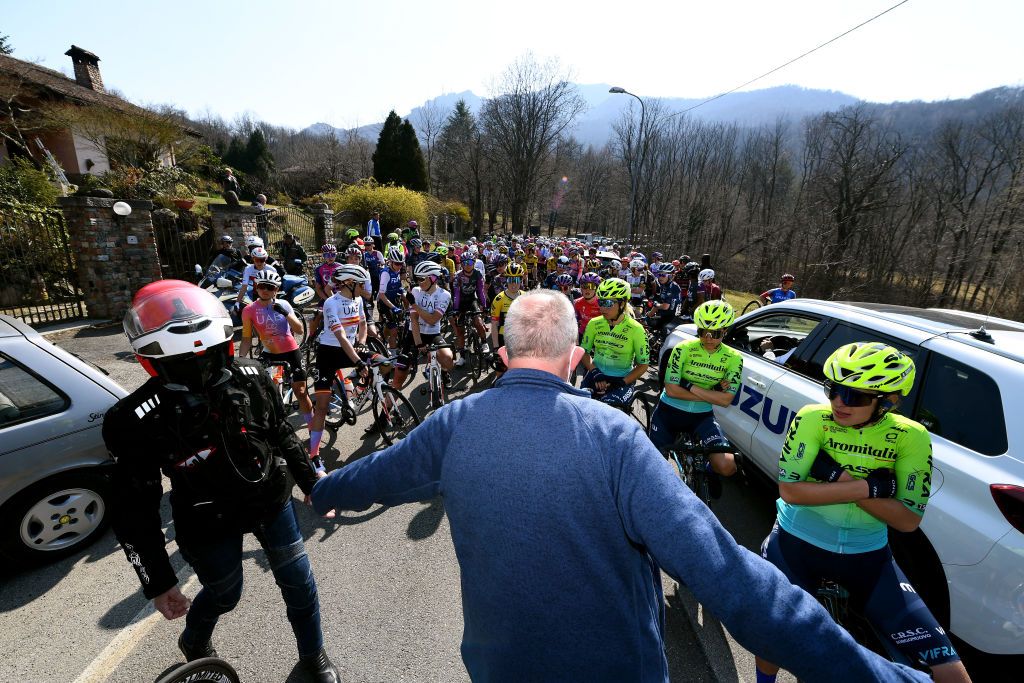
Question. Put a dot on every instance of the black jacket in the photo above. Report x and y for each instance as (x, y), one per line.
(189, 439)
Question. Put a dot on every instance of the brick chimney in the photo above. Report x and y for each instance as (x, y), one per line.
(87, 68)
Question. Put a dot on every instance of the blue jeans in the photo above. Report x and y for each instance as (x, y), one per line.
(217, 562)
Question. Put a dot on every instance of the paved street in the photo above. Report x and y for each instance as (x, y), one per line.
(388, 580)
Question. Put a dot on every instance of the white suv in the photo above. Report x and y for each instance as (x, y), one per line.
(967, 557)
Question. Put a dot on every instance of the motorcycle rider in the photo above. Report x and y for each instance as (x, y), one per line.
(215, 426)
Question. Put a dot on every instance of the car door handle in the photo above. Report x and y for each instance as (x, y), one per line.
(757, 383)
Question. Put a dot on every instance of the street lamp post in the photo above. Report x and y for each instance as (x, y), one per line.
(616, 90)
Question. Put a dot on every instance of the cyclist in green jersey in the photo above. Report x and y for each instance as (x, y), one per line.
(701, 373)
(849, 470)
(617, 354)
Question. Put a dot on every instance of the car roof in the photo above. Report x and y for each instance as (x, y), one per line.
(12, 327)
(1000, 336)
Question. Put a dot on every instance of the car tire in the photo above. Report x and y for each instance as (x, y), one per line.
(56, 517)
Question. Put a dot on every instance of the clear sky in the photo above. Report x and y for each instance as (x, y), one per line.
(348, 63)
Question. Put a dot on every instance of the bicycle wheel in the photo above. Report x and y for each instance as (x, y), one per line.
(377, 346)
(336, 408)
(642, 411)
(205, 670)
(751, 306)
(395, 415)
(301, 337)
(474, 357)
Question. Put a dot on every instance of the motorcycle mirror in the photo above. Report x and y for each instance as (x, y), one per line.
(199, 269)
(224, 283)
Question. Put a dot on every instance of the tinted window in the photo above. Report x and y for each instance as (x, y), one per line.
(963, 405)
(773, 337)
(24, 396)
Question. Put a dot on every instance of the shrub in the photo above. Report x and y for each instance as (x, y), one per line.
(22, 182)
(397, 205)
(159, 184)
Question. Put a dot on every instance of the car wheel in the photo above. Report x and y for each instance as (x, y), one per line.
(56, 517)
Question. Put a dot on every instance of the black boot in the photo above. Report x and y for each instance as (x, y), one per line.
(320, 668)
(197, 651)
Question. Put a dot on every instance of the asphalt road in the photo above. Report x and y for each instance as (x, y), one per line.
(388, 580)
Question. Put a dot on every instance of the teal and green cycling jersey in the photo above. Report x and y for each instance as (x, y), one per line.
(690, 362)
(895, 443)
(617, 351)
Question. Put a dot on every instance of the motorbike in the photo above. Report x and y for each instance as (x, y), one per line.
(224, 278)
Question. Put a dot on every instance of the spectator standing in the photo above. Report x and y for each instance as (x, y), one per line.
(293, 256)
(567, 523)
(373, 229)
(230, 189)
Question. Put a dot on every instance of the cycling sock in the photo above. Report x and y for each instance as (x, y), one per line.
(308, 419)
(314, 441)
(765, 678)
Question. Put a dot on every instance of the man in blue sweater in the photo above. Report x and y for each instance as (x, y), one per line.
(562, 524)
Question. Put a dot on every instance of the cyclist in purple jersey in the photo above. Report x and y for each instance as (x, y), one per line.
(469, 297)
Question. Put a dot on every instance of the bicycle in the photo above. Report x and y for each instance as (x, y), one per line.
(751, 306)
(474, 352)
(391, 410)
(205, 670)
(692, 461)
(434, 376)
(280, 372)
(638, 407)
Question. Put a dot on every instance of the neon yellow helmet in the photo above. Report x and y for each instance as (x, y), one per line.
(442, 250)
(613, 288)
(515, 270)
(872, 366)
(714, 315)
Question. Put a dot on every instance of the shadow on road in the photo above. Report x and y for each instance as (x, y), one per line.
(426, 522)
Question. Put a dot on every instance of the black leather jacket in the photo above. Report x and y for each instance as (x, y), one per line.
(225, 453)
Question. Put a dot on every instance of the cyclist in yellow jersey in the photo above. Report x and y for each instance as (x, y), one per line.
(849, 470)
(701, 373)
(617, 354)
(499, 309)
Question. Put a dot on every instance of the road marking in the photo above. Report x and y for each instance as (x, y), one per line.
(125, 641)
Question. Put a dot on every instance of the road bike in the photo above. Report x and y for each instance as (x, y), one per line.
(281, 372)
(692, 460)
(476, 349)
(205, 670)
(435, 377)
(392, 412)
(752, 305)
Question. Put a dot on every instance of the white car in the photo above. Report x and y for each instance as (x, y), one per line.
(967, 557)
(54, 466)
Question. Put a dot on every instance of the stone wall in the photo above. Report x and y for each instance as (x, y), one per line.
(116, 254)
(237, 221)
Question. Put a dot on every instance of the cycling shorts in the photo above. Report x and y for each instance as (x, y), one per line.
(408, 351)
(292, 358)
(878, 589)
(668, 422)
(471, 306)
(388, 318)
(329, 359)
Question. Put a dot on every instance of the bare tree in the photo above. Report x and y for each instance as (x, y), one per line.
(531, 107)
(429, 121)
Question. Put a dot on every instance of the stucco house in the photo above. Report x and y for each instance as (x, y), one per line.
(34, 87)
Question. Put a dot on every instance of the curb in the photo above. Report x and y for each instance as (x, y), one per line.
(73, 326)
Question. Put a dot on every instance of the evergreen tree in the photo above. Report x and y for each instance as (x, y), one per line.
(386, 156)
(257, 154)
(412, 169)
(5, 45)
(235, 156)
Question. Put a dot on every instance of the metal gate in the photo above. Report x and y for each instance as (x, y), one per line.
(273, 225)
(38, 272)
(183, 240)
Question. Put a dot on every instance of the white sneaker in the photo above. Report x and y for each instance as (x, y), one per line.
(460, 361)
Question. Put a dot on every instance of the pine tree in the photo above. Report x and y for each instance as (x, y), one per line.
(385, 157)
(412, 167)
(5, 45)
(235, 157)
(260, 163)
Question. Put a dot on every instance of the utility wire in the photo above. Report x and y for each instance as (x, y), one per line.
(795, 59)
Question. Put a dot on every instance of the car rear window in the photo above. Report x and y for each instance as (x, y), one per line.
(962, 404)
(25, 396)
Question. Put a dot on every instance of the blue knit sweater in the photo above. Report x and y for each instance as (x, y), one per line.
(562, 513)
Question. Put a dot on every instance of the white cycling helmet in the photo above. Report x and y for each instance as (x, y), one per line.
(705, 275)
(395, 255)
(427, 268)
(638, 264)
(259, 252)
(267, 275)
(253, 241)
(351, 271)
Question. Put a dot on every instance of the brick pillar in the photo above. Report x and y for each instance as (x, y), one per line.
(237, 221)
(116, 254)
(323, 224)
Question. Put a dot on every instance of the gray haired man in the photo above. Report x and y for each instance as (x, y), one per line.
(562, 523)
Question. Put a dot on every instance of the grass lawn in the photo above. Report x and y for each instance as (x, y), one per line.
(738, 299)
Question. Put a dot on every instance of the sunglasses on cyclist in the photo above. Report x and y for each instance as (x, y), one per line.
(264, 285)
(714, 334)
(606, 303)
(513, 280)
(588, 287)
(852, 398)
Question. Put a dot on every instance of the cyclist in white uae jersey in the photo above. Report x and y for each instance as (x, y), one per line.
(427, 305)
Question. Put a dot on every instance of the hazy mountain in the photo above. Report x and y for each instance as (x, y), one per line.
(749, 108)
